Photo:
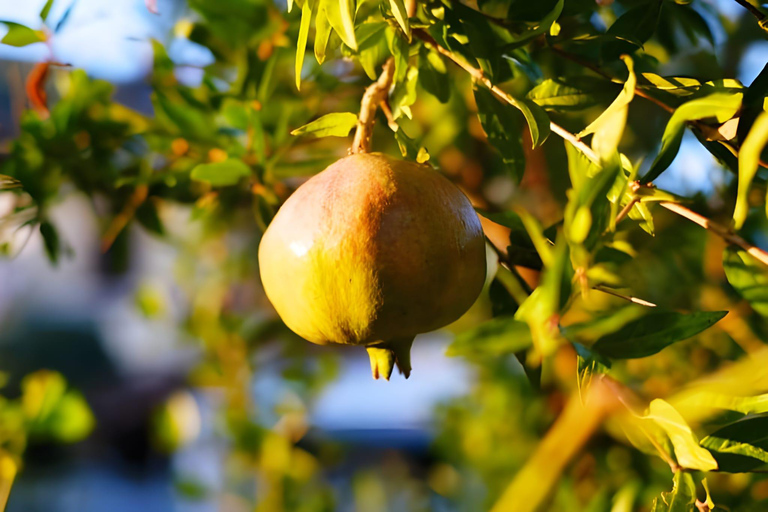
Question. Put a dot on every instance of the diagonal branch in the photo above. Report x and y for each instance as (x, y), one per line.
(587, 151)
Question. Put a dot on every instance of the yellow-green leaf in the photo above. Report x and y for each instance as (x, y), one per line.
(401, 15)
(341, 16)
(749, 160)
(689, 454)
(337, 124)
(301, 44)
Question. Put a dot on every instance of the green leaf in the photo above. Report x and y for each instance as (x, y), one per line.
(404, 94)
(682, 497)
(323, 32)
(538, 121)
(46, 10)
(401, 15)
(748, 276)
(754, 97)
(609, 126)
(51, 241)
(498, 122)
(221, 174)
(689, 454)
(21, 35)
(301, 44)
(721, 106)
(337, 124)
(632, 29)
(749, 161)
(433, 75)
(502, 335)
(741, 446)
(654, 332)
(341, 15)
(566, 94)
(588, 364)
(539, 28)
(372, 47)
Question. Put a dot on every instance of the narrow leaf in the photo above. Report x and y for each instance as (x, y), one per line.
(301, 44)
(749, 160)
(654, 332)
(323, 32)
(46, 10)
(221, 174)
(721, 106)
(401, 15)
(330, 125)
(741, 446)
(341, 15)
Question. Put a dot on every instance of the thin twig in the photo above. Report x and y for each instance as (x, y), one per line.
(374, 94)
(587, 151)
(757, 13)
(630, 298)
(717, 229)
(384, 105)
(124, 217)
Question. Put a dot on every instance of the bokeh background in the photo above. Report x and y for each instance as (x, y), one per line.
(198, 398)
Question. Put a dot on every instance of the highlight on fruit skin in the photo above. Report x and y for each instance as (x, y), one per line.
(373, 251)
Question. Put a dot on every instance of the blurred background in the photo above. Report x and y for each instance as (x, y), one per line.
(172, 383)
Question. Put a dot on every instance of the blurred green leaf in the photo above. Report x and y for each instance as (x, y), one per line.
(652, 333)
(501, 335)
(21, 35)
(51, 241)
(433, 75)
(338, 124)
(748, 276)
(46, 10)
(221, 174)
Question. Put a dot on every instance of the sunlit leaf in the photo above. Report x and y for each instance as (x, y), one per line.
(570, 93)
(401, 15)
(609, 126)
(749, 161)
(687, 450)
(720, 106)
(301, 44)
(337, 124)
(504, 134)
(323, 32)
(341, 16)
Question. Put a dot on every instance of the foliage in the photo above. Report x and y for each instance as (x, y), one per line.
(486, 92)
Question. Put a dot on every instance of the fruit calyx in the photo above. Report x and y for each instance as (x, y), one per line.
(385, 355)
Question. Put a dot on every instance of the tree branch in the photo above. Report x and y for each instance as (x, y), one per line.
(374, 94)
(757, 13)
(587, 151)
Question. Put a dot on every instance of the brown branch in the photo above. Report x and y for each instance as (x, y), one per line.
(374, 95)
(757, 13)
(124, 217)
(717, 229)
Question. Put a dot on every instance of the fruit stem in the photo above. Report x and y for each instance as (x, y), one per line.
(385, 355)
(374, 94)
